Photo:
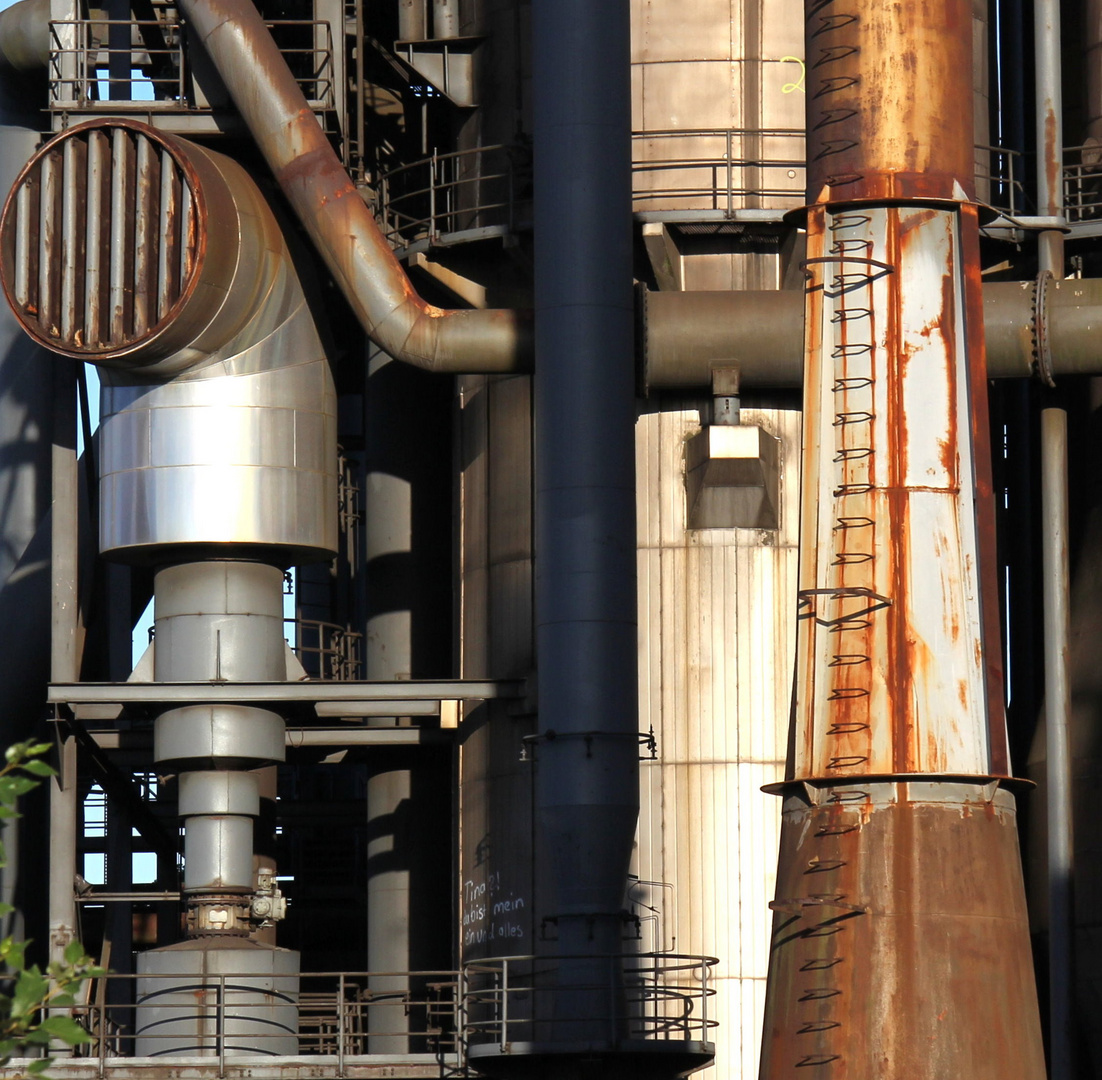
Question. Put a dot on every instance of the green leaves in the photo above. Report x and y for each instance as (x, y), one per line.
(66, 1029)
(22, 771)
(31, 1010)
(39, 768)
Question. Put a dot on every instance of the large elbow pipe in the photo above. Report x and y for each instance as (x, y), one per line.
(25, 36)
(161, 262)
(338, 221)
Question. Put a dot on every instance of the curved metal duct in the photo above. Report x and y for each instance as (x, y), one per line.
(25, 36)
(106, 250)
(161, 262)
(341, 225)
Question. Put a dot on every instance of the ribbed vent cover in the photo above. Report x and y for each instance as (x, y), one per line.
(99, 238)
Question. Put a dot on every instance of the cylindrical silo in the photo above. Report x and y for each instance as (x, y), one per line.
(208, 997)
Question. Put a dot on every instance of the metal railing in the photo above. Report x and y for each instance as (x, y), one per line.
(326, 650)
(457, 192)
(208, 1019)
(1083, 183)
(723, 169)
(999, 174)
(230, 1024)
(706, 170)
(158, 76)
(648, 996)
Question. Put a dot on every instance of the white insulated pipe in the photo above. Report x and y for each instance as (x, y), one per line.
(218, 621)
(1058, 772)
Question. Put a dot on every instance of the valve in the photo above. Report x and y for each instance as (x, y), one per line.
(269, 905)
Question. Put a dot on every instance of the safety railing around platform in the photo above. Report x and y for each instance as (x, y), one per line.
(646, 996)
(718, 169)
(210, 1023)
(1083, 183)
(144, 64)
(326, 650)
(485, 187)
(677, 174)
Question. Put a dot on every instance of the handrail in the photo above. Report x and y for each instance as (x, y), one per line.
(448, 193)
(664, 997)
(1083, 183)
(231, 1015)
(327, 650)
(445, 193)
(81, 51)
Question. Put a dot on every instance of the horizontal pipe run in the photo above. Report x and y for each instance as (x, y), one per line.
(687, 334)
(283, 693)
(337, 219)
(299, 738)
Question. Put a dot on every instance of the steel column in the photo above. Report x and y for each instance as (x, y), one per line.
(587, 796)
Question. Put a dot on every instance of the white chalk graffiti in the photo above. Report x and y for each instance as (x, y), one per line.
(487, 910)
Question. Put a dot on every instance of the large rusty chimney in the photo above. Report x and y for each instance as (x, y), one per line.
(900, 942)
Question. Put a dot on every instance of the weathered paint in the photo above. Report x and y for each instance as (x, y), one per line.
(337, 219)
(888, 93)
(892, 674)
(900, 943)
(900, 939)
(100, 207)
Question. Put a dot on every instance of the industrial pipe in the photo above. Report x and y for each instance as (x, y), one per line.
(587, 785)
(1049, 133)
(162, 263)
(1058, 773)
(898, 843)
(445, 18)
(212, 294)
(412, 23)
(1029, 330)
(27, 458)
(1048, 93)
(25, 36)
(330, 208)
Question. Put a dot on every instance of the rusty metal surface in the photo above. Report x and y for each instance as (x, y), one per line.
(78, 230)
(892, 658)
(109, 251)
(900, 940)
(900, 944)
(889, 88)
(336, 217)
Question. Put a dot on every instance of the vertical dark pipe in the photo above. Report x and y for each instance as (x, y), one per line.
(118, 44)
(587, 796)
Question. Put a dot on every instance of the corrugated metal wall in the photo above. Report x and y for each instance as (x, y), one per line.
(717, 632)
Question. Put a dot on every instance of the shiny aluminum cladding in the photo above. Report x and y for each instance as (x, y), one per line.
(900, 942)
(161, 262)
